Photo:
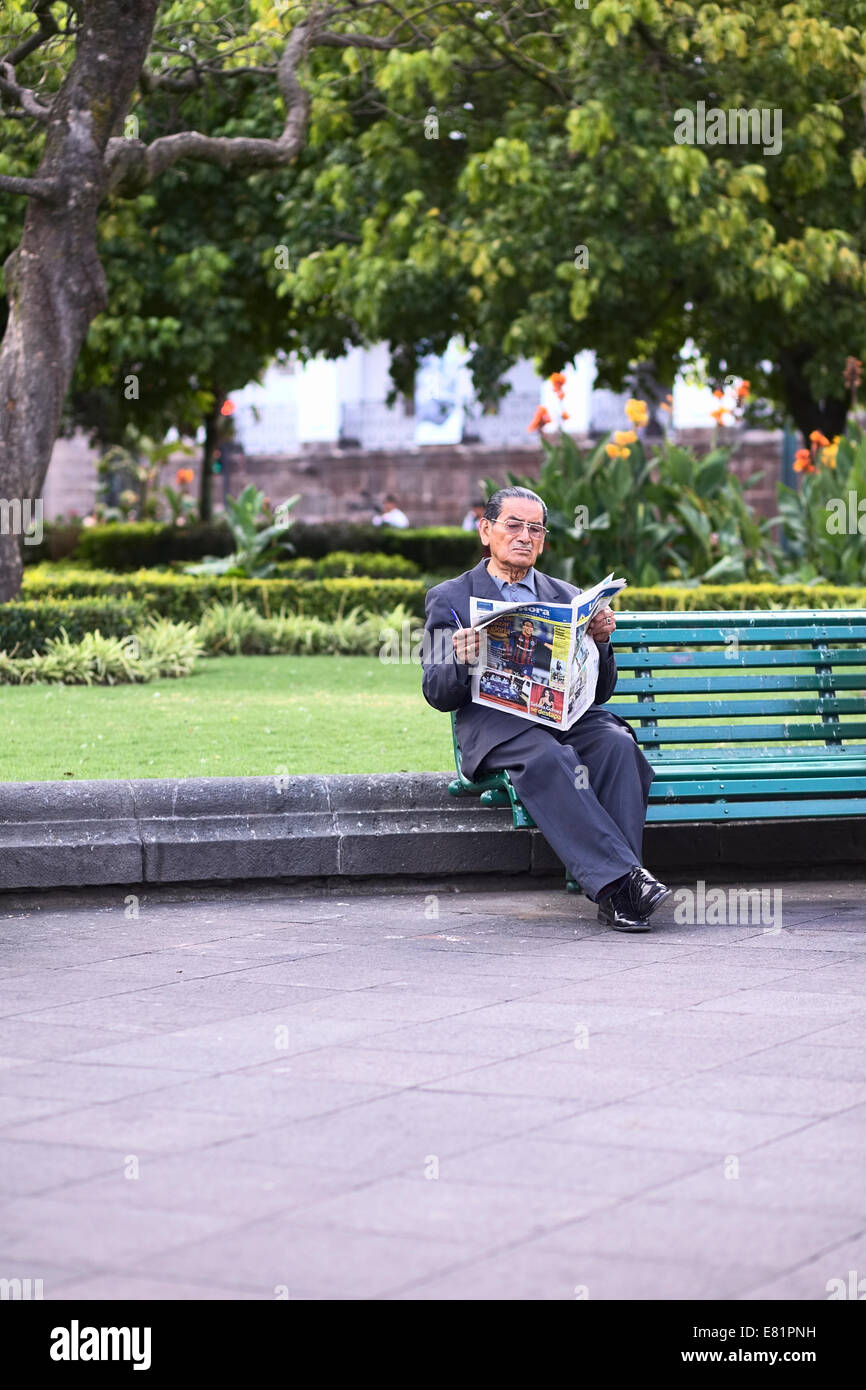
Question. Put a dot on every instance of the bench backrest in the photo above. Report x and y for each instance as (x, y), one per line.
(742, 681)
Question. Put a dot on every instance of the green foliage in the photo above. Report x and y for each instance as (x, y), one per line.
(667, 515)
(27, 625)
(825, 520)
(448, 549)
(342, 564)
(185, 597)
(255, 545)
(740, 598)
(160, 649)
(236, 629)
(147, 544)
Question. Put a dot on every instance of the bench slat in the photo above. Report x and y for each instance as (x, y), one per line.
(664, 789)
(722, 661)
(761, 733)
(710, 685)
(754, 636)
(734, 709)
(755, 810)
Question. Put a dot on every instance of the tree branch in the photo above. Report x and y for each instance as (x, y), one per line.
(48, 27)
(25, 98)
(132, 164)
(47, 189)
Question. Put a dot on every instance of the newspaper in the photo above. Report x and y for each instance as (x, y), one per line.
(537, 660)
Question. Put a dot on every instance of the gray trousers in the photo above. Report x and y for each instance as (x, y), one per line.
(586, 788)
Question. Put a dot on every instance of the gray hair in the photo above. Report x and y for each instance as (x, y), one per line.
(494, 503)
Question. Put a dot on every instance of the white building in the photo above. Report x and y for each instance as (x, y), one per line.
(343, 401)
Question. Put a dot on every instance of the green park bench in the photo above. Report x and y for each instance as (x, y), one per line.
(744, 716)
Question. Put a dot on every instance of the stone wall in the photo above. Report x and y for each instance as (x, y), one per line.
(435, 484)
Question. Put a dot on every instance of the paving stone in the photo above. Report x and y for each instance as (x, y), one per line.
(288, 1067)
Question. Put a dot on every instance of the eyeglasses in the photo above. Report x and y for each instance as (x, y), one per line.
(514, 526)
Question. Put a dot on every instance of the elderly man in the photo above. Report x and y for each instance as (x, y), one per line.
(586, 787)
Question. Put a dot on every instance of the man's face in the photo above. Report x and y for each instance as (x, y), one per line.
(526, 629)
(519, 549)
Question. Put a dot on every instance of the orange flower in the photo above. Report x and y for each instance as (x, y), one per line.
(818, 438)
(743, 390)
(624, 437)
(557, 379)
(668, 402)
(183, 476)
(718, 415)
(541, 417)
(565, 415)
(803, 462)
(614, 451)
(719, 395)
(637, 411)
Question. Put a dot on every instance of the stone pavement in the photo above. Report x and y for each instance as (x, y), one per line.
(430, 1093)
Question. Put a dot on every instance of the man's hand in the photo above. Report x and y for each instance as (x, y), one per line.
(467, 644)
(603, 625)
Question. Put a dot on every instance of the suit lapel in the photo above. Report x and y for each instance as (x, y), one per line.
(480, 583)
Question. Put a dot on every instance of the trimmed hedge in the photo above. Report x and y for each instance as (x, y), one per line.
(184, 597)
(136, 545)
(28, 624)
(342, 564)
(126, 546)
(740, 597)
(144, 544)
(445, 548)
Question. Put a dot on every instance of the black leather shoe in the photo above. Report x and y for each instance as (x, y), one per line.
(628, 907)
(612, 916)
(646, 892)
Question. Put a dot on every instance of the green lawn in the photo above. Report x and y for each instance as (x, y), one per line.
(236, 717)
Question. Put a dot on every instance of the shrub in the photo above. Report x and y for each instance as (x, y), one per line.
(26, 626)
(436, 548)
(185, 597)
(738, 597)
(234, 629)
(343, 564)
(825, 521)
(160, 649)
(144, 544)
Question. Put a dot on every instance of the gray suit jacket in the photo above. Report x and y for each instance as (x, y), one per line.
(446, 682)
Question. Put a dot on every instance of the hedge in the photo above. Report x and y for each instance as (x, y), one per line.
(445, 548)
(28, 624)
(341, 564)
(184, 597)
(126, 546)
(143, 544)
(740, 597)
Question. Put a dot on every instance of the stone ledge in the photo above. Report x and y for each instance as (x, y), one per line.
(88, 834)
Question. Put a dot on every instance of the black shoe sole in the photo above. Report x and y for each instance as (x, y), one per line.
(636, 924)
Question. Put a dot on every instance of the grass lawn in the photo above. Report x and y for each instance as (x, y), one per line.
(236, 717)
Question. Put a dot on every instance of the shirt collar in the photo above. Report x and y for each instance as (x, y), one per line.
(528, 580)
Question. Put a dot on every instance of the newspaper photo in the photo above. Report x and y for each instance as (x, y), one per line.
(537, 660)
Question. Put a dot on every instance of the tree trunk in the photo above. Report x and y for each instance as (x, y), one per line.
(828, 415)
(55, 283)
(211, 440)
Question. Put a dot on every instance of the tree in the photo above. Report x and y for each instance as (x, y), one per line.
(70, 72)
(559, 205)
